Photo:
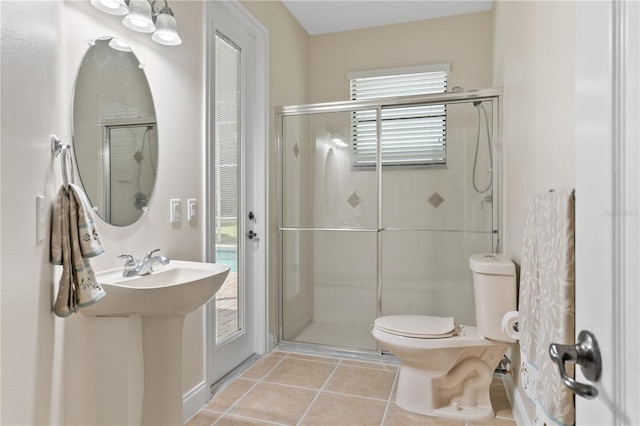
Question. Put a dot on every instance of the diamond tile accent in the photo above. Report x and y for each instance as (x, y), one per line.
(354, 200)
(296, 149)
(436, 199)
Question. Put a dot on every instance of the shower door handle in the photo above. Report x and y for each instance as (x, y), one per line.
(586, 354)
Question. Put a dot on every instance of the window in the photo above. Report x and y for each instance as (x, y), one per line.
(412, 135)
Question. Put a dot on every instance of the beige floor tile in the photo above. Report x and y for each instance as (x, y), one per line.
(398, 416)
(300, 372)
(335, 410)
(229, 395)
(500, 402)
(239, 421)
(494, 422)
(366, 364)
(359, 381)
(260, 369)
(203, 418)
(274, 403)
(317, 358)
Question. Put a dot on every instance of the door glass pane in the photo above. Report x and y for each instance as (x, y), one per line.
(227, 183)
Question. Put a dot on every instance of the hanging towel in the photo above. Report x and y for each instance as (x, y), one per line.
(74, 239)
(547, 302)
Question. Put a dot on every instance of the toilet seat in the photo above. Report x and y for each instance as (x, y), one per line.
(417, 326)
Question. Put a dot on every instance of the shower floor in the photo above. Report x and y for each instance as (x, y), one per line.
(343, 335)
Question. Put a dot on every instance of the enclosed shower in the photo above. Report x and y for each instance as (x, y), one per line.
(379, 213)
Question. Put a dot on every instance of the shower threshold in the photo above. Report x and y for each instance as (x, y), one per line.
(341, 336)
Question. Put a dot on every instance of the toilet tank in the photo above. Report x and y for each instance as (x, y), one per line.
(494, 287)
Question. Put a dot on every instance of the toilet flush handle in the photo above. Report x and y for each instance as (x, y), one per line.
(586, 354)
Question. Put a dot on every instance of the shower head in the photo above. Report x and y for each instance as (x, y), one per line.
(477, 103)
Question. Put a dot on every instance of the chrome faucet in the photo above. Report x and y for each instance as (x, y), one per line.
(134, 267)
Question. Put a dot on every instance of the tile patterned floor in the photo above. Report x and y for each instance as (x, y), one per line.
(285, 388)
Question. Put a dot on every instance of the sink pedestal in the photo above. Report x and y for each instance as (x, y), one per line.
(162, 353)
(161, 299)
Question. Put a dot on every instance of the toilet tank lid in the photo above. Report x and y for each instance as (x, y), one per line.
(492, 263)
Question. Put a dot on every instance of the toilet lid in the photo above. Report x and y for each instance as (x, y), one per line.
(417, 326)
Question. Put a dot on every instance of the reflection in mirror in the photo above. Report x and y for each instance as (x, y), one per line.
(115, 134)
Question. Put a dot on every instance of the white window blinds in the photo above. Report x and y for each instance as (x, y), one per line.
(411, 135)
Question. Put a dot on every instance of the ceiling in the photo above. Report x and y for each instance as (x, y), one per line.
(330, 16)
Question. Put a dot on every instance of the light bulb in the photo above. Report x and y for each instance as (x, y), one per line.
(167, 31)
(113, 7)
(139, 17)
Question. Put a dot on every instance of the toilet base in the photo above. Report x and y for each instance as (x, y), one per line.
(462, 393)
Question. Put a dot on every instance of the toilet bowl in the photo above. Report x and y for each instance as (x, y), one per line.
(446, 369)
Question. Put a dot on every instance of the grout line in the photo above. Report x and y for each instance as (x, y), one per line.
(319, 391)
(389, 402)
(228, 410)
(370, 398)
(310, 358)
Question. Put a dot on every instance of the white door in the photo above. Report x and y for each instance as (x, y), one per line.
(607, 204)
(236, 190)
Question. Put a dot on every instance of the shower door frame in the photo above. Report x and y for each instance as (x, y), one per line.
(494, 95)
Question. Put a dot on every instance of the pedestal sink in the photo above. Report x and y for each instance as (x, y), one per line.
(162, 299)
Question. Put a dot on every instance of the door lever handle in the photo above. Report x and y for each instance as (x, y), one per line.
(251, 235)
(586, 354)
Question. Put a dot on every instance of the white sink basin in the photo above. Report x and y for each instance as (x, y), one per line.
(175, 289)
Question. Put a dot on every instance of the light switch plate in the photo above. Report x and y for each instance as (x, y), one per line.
(40, 218)
(192, 209)
(174, 206)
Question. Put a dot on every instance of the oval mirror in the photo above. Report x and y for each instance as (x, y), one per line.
(115, 134)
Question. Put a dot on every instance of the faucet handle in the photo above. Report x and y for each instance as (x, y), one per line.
(130, 259)
(148, 255)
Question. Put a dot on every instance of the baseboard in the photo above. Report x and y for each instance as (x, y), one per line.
(195, 399)
(517, 401)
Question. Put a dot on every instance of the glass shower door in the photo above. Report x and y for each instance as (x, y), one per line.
(436, 216)
(328, 234)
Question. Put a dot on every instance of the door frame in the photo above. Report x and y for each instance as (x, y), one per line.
(260, 125)
(607, 203)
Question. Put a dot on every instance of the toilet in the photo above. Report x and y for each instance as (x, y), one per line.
(446, 368)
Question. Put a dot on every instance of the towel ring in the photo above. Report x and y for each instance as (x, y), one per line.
(67, 168)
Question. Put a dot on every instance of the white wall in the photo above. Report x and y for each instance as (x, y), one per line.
(47, 369)
(534, 62)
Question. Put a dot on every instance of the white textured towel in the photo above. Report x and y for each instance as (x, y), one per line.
(547, 302)
(74, 239)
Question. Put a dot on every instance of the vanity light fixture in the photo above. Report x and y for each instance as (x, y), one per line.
(143, 16)
(112, 7)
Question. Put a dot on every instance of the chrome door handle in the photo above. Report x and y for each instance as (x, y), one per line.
(586, 354)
